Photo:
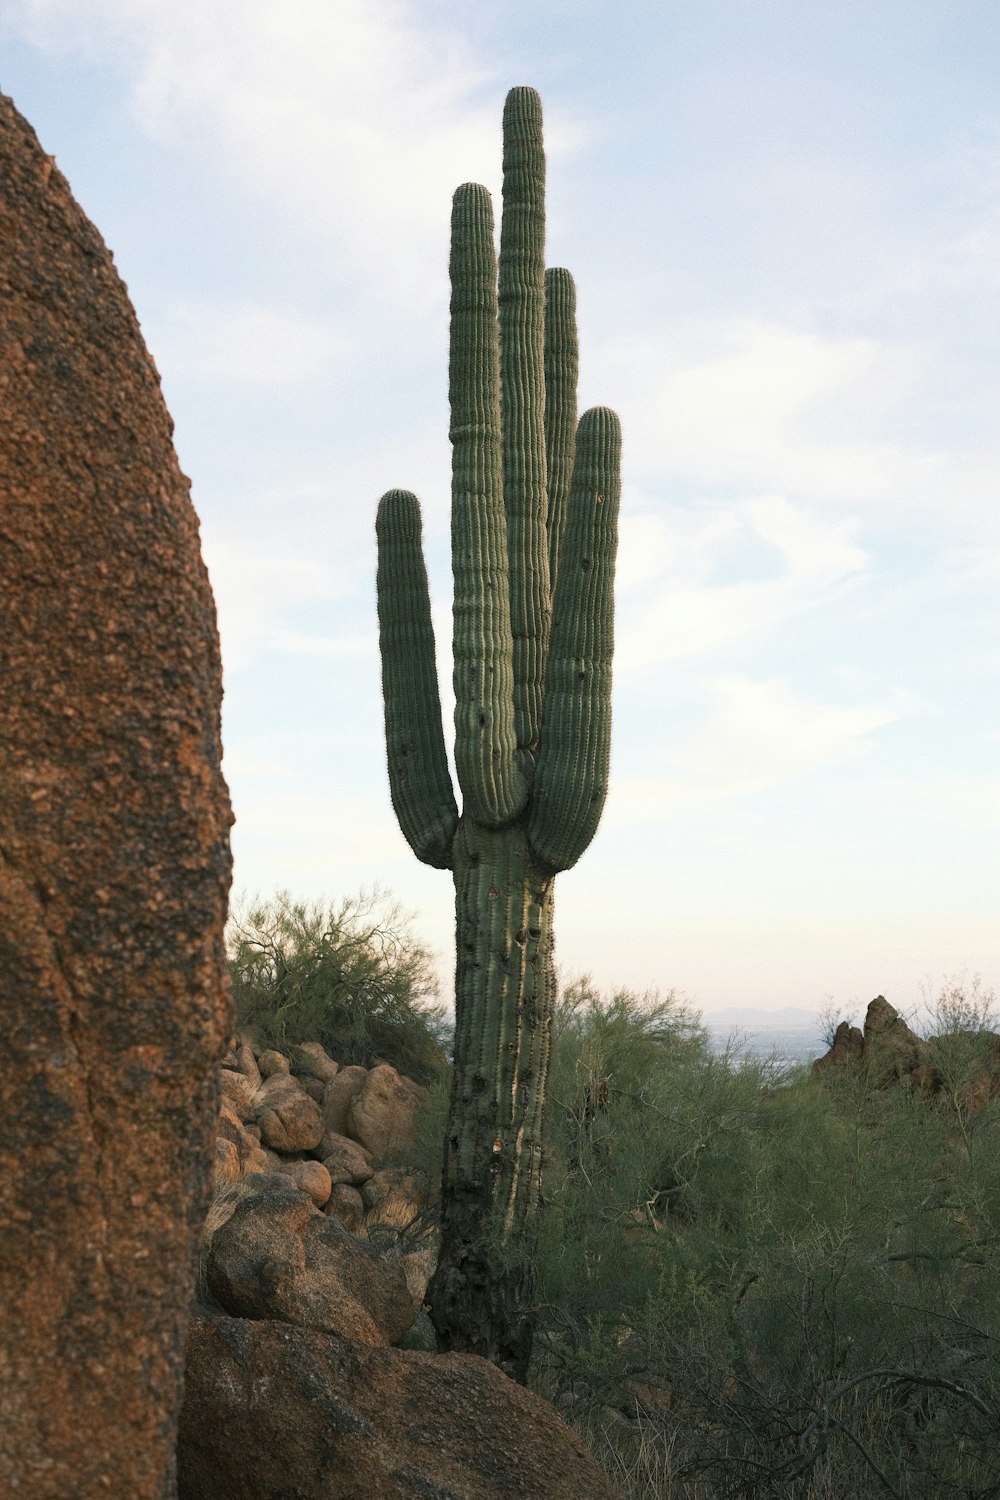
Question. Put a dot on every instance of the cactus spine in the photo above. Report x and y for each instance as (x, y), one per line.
(534, 536)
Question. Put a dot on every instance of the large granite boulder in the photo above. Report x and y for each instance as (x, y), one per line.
(278, 1257)
(271, 1410)
(114, 866)
(289, 1119)
(382, 1113)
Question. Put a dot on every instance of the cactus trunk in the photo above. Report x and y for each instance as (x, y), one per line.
(504, 987)
(534, 536)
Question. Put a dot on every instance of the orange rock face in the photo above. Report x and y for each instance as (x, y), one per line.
(114, 865)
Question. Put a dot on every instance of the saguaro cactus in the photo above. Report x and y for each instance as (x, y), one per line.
(534, 536)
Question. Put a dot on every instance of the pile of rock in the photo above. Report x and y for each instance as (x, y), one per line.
(302, 1177)
(316, 1259)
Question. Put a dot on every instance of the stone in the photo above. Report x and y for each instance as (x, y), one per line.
(229, 1127)
(345, 1160)
(271, 1410)
(289, 1120)
(278, 1257)
(344, 1203)
(337, 1099)
(393, 1197)
(309, 1177)
(115, 866)
(313, 1061)
(272, 1062)
(247, 1063)
(314, 1087)
(381, 1115)
(240, 1092)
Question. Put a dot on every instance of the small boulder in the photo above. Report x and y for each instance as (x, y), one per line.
(309, 1177)
(338, 1097)
(310, 1060)
(314, 1087)
(381, 1114)
(345, 1160)
(346, 1205)
(239, 1091)
(272, 1062)
(247, 1063)
(289, 1120)
(230, 1128)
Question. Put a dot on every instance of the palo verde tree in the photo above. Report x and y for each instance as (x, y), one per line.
(534, 537)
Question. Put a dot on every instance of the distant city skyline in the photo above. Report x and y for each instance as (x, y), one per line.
(784, 225)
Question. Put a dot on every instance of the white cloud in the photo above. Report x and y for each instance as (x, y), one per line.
(751, 405)
(760, 736)
(673, 603)
(353, 119)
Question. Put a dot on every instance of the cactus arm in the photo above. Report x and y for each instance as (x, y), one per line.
(419, 781)
(572, 774)
(562, 364)
(522, 366)
(485, 745)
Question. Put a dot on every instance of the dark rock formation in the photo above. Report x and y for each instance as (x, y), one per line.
(114, 866)
(964, 1065)
(847, 1047)
(887, 1048)
(272, 1410)
(891, 1048)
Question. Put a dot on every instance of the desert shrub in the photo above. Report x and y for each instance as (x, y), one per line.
(350, 975)
(753, 1284)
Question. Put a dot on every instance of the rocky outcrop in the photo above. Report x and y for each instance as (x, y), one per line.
(964, 1065)
(891, 1049)
(887, 1048)
(114, 866)
(338, 1097)
(272, 1410)
(846, 1049)
(284, 1394)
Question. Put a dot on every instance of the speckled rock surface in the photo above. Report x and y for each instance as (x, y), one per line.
(114, 866)
(272, 1410)
(278, 1257)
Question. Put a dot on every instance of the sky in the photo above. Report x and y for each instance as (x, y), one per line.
(783, 219)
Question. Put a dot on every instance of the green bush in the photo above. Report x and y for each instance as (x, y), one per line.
(779, 1287)
(350, 975)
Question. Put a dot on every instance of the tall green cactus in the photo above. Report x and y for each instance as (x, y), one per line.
(534, 536)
